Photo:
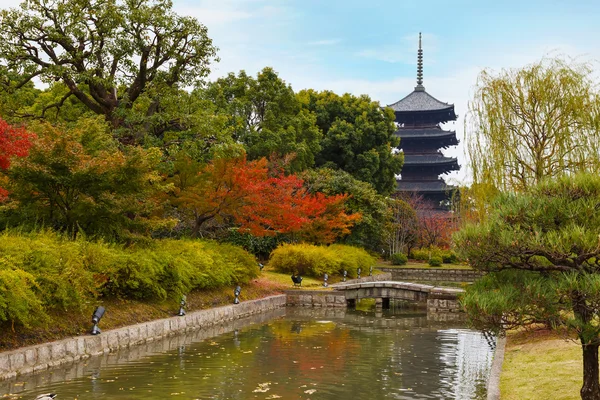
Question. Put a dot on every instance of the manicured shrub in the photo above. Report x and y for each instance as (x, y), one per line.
(435, 261)
(310, 260)
(449, 257)
(421, 254)
(399, 259)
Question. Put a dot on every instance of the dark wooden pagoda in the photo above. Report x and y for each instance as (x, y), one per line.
(419, 116)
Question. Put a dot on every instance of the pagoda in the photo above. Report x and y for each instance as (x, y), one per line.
(419, 116)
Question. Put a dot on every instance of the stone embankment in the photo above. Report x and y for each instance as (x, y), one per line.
(433, 274)
(48, 355)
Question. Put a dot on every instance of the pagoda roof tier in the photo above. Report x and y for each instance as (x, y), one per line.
(419, 100)
(438, 186)
(424, 160)
(446, 138)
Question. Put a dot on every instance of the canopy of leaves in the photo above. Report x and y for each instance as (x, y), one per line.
(115, 57)
(538, 121)
(358, 137)
(362, 198)
(79, 180)
(265, 115)
(235, 192)
(542, 250)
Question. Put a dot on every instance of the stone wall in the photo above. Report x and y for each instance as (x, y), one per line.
(433, 274)
(48, 355)
(385, 276)
(315, 298)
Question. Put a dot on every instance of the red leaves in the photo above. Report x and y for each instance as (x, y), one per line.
(13, 142)
(264, 202)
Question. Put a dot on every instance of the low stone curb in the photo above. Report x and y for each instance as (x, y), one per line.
(493, 386)
(432, 274)
(40, 357)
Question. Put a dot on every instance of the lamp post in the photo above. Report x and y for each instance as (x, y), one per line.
(182, 304)
(260, 266)
(325, 278)
(237, 292)
(96, 317)
(371, 270)
(344, 276)
(358, 271)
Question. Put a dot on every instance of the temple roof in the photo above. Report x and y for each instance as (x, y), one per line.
(416, 133)
(424, 186)
(419, 160)
(420, 100)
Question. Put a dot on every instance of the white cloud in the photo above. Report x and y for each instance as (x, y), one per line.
(325, 42)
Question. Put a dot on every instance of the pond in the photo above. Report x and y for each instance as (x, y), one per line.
(290, 354)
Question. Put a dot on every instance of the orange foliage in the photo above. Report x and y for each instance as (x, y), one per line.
(262, 203)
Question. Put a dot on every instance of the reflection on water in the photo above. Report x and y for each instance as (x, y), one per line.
(306, 354)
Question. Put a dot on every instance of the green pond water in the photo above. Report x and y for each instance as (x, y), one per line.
(286, 354)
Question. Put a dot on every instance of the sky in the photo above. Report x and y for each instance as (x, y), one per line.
(370, 46)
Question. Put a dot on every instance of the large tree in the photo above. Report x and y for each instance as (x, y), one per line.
(358, 137)
(14, 142)
(542, 252)
(115, 56)
(534, 122)
(266, 117)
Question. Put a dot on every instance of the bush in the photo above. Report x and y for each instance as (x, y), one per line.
(435, 261)
(43, 271)
(449, 257)
(310, 260)
(399, 259)
(421, 254)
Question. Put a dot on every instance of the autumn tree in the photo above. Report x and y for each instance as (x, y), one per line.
(79, 181)
(14, 142)
(264, 115)
(542, 254)
(369, 232)
(358, 137)
(527, 124)
(232, 191)
(118, 58)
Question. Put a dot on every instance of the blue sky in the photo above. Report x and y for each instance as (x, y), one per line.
(369, 47)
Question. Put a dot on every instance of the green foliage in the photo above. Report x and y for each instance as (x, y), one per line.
(363, 199)
(45, 271)
(532, 123)
(435, 261)
(119, 59)
(541, 250)
(78, 180)
(358, 137)
(310, 260)
(265, 115)
(426, 253)
(399, 259)
(261, 247)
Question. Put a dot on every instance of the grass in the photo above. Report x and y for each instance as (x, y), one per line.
(539, 365)
(421, 265)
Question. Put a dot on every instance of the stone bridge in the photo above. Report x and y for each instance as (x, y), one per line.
(438, 299)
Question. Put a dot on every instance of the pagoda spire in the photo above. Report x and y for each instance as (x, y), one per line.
(420, 86)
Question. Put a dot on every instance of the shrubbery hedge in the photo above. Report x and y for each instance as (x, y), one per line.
(424, 254)
(399, 259)
(310, 260)
(435, 261)
(44, 271)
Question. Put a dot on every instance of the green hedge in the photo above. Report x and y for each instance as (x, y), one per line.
(44, 271)
(399, 259)
(310, 260)
(435, 261)
(424, 254)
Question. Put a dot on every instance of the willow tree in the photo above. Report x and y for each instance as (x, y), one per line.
(541, 250)
(538, 121)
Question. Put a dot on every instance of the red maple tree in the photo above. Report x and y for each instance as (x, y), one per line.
(14, 142)
(258, 200)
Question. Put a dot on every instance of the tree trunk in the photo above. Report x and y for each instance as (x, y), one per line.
(591, 387)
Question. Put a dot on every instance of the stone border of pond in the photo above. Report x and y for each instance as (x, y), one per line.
(38, 358)
(493, 386)
(433, 275)
(32, 359)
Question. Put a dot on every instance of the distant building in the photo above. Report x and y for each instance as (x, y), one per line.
(419, 116)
